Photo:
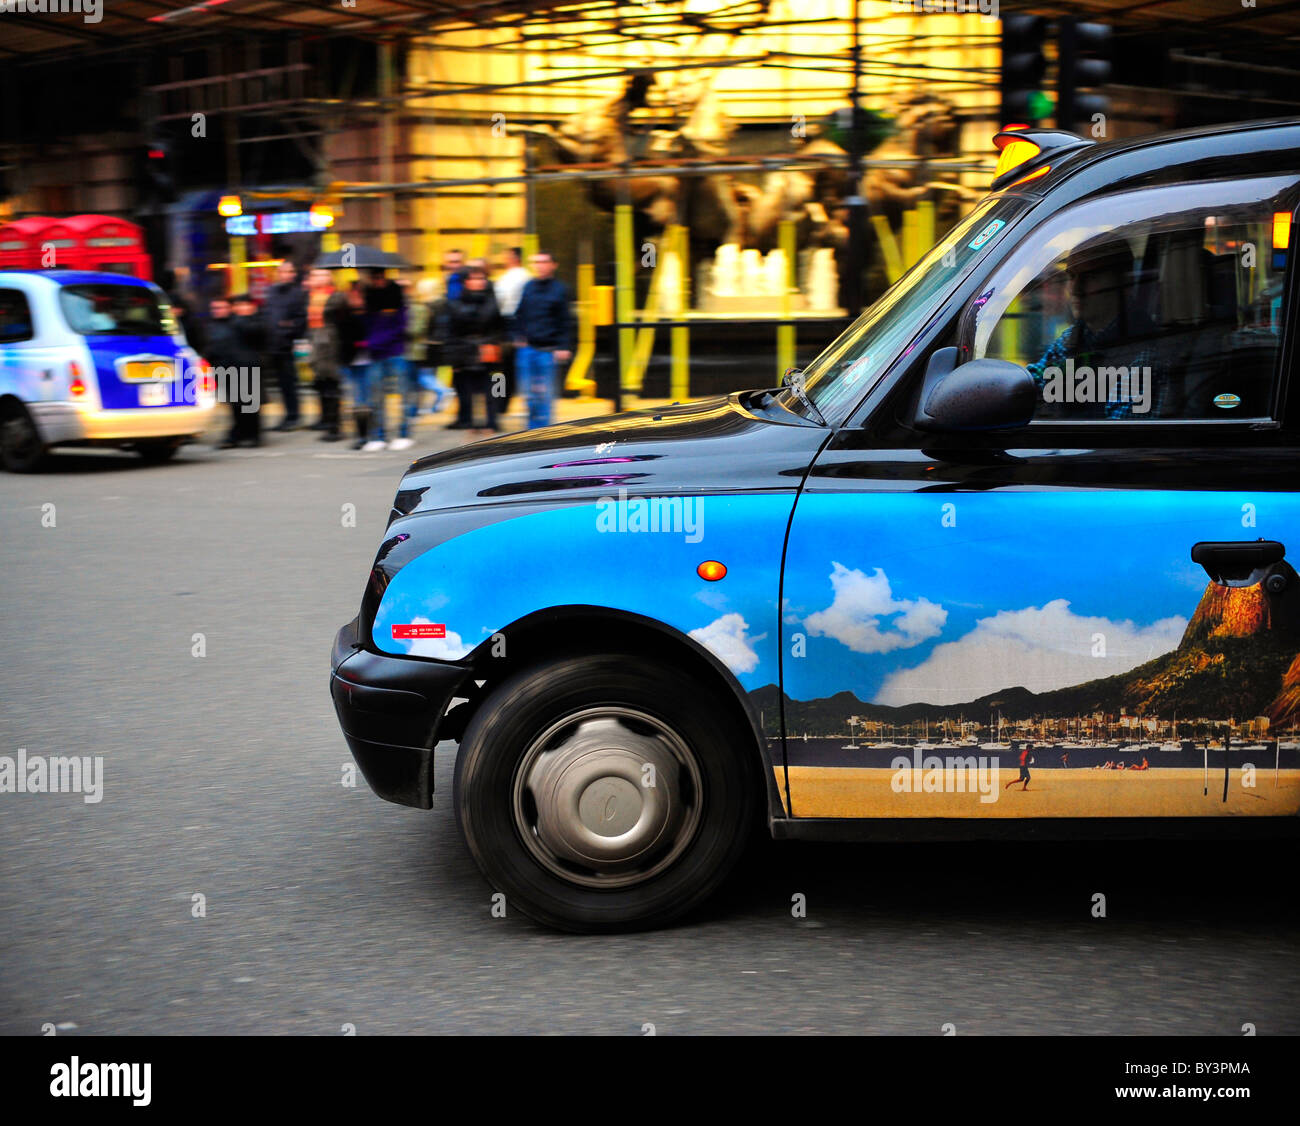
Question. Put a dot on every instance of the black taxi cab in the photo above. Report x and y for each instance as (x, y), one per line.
(1010, 556)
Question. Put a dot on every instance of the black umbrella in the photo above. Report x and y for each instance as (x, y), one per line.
(361, 257)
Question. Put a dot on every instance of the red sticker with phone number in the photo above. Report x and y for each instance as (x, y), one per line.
(425, 629)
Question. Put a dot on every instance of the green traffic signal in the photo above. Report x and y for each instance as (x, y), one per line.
(1040, 105)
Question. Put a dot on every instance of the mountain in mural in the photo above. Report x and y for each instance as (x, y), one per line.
(1239, 656)
(1284, 711)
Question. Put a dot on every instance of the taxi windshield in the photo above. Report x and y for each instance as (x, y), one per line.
(112, 309)
(859, 356)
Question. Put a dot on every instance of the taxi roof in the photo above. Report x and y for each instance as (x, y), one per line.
(76, 277)
(1207, 152)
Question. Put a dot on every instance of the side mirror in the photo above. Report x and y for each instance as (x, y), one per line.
(980, 395)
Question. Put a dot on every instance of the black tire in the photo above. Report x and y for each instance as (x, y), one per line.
(21, 448)
(158, 450)
(719, 798)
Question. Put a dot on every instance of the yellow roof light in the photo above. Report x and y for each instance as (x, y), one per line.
(228, 206)
(1281, 230)
(1013, 152)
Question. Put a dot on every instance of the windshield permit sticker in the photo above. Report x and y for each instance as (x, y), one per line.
(1227, 401)
(990, 229)
(418, 629)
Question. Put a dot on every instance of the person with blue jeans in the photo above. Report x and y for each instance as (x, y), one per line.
(544, 336)
(386, 343)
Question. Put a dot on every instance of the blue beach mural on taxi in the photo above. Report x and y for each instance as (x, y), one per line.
(1064, 641)
(638, 555)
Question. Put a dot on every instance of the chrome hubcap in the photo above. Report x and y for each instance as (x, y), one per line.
(607, 797)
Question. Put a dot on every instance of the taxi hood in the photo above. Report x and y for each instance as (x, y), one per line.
(743, 442)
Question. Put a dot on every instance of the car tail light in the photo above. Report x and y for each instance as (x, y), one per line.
(206, 383)
(76, 385)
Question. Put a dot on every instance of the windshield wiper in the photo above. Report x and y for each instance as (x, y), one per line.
(793, 379)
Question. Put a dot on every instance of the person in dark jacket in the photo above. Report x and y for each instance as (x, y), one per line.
(386, 343)
(286, 321)
(545, 334)
(333, 335)
(235, 343)
(472, 343)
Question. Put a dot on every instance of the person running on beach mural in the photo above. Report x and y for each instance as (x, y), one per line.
(1025, 762)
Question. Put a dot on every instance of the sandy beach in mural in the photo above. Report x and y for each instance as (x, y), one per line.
(825, 791)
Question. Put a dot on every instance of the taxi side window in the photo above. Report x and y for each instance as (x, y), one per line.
(15, 317)
(1143, 306)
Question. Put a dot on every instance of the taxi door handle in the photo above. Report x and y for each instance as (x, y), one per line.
(1242, 562)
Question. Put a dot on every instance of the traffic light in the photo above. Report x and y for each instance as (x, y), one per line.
(1023, 67)
(157, 184)
(1081, 66)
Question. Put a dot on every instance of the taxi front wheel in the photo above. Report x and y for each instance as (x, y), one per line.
(603, 793)
(21, 448)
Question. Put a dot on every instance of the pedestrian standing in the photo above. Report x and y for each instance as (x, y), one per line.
(453, 270)
(286, 321)
(473, 342)
(235, 344)
(357, 361)
(509, 288)
(386, 343)
(421, 374)
(544, 334)
(329, 317)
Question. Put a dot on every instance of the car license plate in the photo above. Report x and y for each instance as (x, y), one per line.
(154, 394)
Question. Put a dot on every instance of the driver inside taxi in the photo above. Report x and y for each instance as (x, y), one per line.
(1099, 358)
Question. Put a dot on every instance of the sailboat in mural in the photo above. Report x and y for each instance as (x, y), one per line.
(997, 744)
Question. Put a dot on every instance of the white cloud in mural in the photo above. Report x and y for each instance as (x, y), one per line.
(727, 638)
(449, 648)
(1041, 648)
(856, 615)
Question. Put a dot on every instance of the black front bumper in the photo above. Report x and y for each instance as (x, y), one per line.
(389, 709)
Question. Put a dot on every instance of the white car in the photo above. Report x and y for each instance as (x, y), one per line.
(94, 359)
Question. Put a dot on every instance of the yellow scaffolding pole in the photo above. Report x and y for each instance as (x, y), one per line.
(785, 333)
(680, 378)
(911, 241)
(238, 272)
(577, 377)
(624, 293)
(924, 228)
(888, 248)
(645, 337)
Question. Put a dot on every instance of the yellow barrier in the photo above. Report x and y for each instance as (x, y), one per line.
(888, 248)
(238, 274)
(624, 292)
(576, 377)
(680, 378)
(785, 336)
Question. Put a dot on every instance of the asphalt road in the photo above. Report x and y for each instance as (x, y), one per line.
(326, 906)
